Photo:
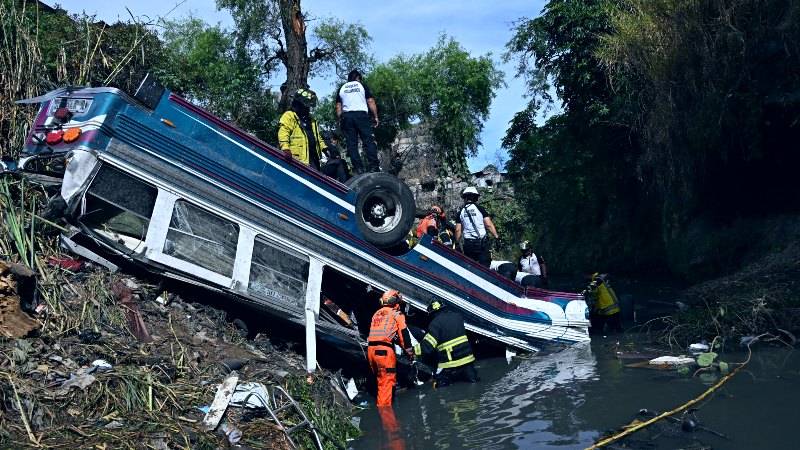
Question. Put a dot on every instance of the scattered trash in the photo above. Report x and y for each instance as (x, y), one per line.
(89, 337)
(233, 434)
(746, 341)
(63, 262)
(351, 390)
(102, 364)
(221, 401)
(250, 395)
(70, 245)
(163, 299)
(123, 292)
(14, 322)
(87, 353)
(672, 360)
(80, 380)
(700, 347)
(233, 364)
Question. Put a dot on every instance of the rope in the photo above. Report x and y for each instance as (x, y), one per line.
(681, 408)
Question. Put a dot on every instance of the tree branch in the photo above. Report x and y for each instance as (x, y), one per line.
(318, 54)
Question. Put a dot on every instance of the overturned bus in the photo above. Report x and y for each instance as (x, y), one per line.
(162, 183)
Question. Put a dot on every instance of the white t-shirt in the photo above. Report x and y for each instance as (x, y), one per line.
(530, 264)
(474, 228)
(353, 96)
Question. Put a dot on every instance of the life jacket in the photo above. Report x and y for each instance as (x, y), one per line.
(389, 327)
(607, 303)
(427, 222)
(446, 336)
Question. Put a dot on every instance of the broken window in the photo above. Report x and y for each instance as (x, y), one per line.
(119, 206)
(277, 274)
(202, 238)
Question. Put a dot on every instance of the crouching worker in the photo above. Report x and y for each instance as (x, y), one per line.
(447, 337)
(387, 329)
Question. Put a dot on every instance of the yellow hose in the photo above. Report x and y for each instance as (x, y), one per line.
(683, 407)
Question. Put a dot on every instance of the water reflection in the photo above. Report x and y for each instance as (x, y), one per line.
(534, 403)
(530, 404)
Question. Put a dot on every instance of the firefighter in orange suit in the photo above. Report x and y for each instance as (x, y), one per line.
(387, 329)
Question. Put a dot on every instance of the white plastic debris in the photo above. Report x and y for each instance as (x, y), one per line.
(102, 364)
(672, 360)
(352, 390)
(699, 348)
(509, 354)
(250, 395)
(221, 401)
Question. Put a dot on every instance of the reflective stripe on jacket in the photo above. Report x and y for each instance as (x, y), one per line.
(607, 303)
(389, 326)
(446, 335)
(292, 137)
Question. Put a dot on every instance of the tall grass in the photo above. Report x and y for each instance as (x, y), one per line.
(20, 75)
(42, 50)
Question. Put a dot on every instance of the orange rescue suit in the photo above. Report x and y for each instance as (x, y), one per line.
(388, 327)
(428, 221)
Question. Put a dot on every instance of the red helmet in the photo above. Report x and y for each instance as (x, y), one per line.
(437, 211)
(391, 297)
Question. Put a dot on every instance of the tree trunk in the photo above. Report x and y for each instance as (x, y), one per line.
(296, 61)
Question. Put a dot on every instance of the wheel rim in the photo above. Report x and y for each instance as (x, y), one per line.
(381, 212)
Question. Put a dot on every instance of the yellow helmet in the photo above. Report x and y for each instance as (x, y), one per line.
(307, 97)
(435, 305)
(391, 297)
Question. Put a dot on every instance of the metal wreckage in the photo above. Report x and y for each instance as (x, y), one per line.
(154, 180)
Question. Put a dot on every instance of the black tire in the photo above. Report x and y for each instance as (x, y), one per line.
(385, 208)
(355, 182)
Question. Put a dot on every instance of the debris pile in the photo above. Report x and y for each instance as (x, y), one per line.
(15, 280)
(105, 364)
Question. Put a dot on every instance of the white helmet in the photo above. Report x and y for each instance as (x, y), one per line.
(469, 190)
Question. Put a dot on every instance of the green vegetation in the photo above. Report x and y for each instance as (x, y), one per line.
(677, 123)
(445, 88)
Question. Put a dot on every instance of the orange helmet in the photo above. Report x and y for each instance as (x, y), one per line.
(391, 297)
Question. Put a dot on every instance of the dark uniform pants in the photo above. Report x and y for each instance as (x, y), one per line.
(478, 250)
(466, 373)
(383, 363)
(355, 125)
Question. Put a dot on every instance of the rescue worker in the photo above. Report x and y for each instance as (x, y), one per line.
(352, 104)
(533, 265)
(298, 132)
(388, 328)
(473, 224)
(335, 167)
(431, 223)
(604, 305)
(446, 336)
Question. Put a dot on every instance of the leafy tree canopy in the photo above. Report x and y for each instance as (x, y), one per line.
(446, 89)
(201, 63)
(273, 32)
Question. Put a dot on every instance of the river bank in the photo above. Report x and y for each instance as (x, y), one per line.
(114, 361)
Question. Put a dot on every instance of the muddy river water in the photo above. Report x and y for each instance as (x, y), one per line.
(569, 399)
